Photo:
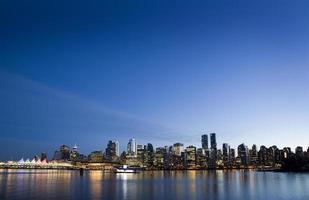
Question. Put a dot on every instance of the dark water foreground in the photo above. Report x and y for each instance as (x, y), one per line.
(53, 184)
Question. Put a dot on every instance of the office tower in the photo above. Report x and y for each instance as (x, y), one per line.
(117, 148)
(201, 157)
(213, 141)
(178, 149)
(253, 155)
(43, 156)
(110, 151)
(232, 156)
(65, 152)
(272, 155)
(213, 151)
(159, 157)
(204, 141)
(149, 156)
(299, 151)
(74, 149)
(74, 155)
(96, 156)
(132, 148)
(263, 155)
(243, 154)
(226, 154)
(190, 157)
(286, 152)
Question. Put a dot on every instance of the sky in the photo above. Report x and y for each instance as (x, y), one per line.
(85, 72)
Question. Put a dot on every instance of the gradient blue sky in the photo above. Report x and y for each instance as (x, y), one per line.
(163, 71)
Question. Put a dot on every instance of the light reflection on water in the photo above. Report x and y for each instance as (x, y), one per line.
(236, 184)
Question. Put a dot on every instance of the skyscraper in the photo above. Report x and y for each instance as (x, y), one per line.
(204, 141)
(243, 154)
(226, 154)
(178, 148)
(132, 147)
(75, 148)
(110, 151)
(190, 153)
(117, 148)
(213, 151)
(213, 141)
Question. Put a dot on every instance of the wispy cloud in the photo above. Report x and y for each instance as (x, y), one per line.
(35, 111)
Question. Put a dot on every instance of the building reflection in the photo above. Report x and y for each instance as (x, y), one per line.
(96, 184)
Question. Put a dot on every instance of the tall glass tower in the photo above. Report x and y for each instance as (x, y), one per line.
(204, 141)
(213, 141)
(132, 147)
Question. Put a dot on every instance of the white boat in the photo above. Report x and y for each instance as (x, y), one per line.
(124, 169)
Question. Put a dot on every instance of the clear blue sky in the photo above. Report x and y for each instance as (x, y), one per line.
(163, 71)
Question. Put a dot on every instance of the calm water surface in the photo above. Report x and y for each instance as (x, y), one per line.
(53, 184)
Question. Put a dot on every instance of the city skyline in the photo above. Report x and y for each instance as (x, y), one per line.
(112, 149)
(155, 71)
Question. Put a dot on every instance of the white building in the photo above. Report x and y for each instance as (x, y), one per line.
(132, 148)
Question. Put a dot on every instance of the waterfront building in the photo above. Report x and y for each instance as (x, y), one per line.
(178, 148)
(219, 161)
(62, 154)
(141, 154)
(96, 156)
(201, 157)
(299, 151)
(253, 155)
(43, 156)
(65, 152)
(132, 148)
(243, 154)
(263, 155)
(75, 149)
(213, 141)
(204, 141)
(159, 157)
(190, 157)
(226, 154)
(111, 151)
(232, 156)
(117, 148)
(212, 163)
(149, 158)
(287, 152)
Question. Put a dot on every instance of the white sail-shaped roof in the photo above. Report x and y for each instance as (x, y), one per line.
(38, 161)
(21, 160)
(33, 161)
(44, 161)
(27, 161)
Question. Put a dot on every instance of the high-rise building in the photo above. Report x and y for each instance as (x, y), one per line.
(201, 157)
(63, 153)
(263, 158)
(253, 155)
(213, 141)
(299, 151)
(190, 153)
(117, 148)
(110, 151)
(226, 154)
(178, 149)
(149, 158)
(232, 156)
(96, 156)
(43, 156)
(243, 154)
(74, 149)
(213, 151)
(132, 148)
(204, 141)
